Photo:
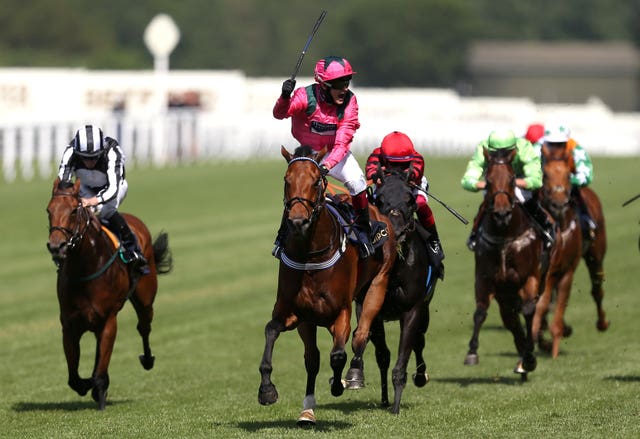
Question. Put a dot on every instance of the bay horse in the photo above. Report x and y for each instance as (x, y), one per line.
(411, 288)
(571, 246)
(507, 262)
(567, 251)
(320, 275)
(93, 284)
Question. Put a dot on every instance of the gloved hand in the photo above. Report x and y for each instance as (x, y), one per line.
(287, 88)
(324, 170)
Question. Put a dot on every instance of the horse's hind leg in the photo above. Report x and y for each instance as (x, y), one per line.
(421, 377)
(593, 259)
(144, 311)
(267, 394)
(383, 358)
(71, 346)
(479, 316)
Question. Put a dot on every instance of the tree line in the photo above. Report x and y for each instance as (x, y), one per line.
(391, 43)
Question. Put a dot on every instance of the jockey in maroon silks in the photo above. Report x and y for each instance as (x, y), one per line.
(396, 152)
(325, 115)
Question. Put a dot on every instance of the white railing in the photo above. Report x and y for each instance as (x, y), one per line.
(438, 125)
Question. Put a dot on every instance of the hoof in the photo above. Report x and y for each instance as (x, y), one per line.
(471, 360)
(602, 325)
(337, 389)
(545, 345)
(307, 418)
(568, 330)
(519, 368)
(147, 362)
(354, 379)
(267, 395)
(420, 379)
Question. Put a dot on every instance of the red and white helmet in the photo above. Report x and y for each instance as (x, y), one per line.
(332, 67)
(397, 147)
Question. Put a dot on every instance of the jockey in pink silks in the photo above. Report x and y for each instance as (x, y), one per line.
(325, 114)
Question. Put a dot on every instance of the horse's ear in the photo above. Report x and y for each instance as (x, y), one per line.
(511, 155)
(485, 152)
(76, 186)
(320, 155)
(286, 154)
(55, 184)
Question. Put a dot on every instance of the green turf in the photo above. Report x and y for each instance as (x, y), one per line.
(211, 311)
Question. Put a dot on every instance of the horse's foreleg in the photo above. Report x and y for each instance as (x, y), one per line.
(144, 311)
(71, 346)
(308, 333)
(562, 300)
(267, 394)
(483, 297)
(105, 341)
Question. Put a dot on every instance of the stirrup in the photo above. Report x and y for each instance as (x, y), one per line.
(366, 249)
(277, 251)
(472, 242)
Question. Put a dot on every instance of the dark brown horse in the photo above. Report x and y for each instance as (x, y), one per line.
(94, 284)
(572, 244)
(556, 198)
(507, 262)
(411, 288)
(320, 275)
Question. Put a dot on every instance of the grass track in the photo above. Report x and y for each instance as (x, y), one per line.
(211, 311)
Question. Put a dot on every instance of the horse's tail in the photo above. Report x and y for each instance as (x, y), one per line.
(162, 253)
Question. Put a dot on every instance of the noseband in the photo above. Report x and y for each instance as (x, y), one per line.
(313, 207)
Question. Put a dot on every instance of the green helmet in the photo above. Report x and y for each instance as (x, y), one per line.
(501, 139)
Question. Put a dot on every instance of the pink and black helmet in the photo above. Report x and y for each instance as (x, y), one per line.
(332, 67)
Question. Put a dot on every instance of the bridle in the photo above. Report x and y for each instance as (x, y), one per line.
(491, 195)
(313, 207)
(73, 237)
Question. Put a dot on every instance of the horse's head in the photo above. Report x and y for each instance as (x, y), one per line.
(556, 190)
(394, 198)
(501, 185)
(304, 188)
(68, 220)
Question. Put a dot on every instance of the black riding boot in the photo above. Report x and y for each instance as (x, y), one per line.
(132, 253)
(472, 241)
(436, 253)
(540, 216)
(363, 229)
(282, 232)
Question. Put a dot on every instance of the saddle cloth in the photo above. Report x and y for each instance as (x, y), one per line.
(345, 214)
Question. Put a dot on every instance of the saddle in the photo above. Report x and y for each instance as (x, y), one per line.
(343, 211)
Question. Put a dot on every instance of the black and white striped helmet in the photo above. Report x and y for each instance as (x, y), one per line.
(89, 141)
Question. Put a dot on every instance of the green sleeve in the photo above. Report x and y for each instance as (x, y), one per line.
(475, 169)
(584, 168)
(530, 164)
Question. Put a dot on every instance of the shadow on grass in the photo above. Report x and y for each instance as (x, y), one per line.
(68, 406)
(257, 426)
(624, 378)
(492, 380)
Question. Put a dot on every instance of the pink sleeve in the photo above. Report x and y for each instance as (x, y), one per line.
(287, 107)
(344, 135)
